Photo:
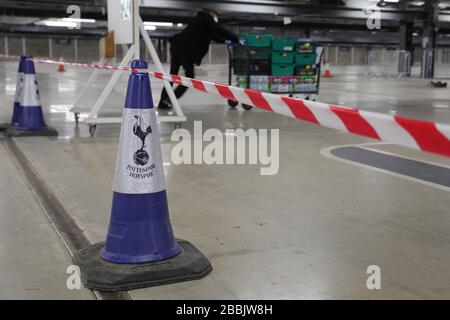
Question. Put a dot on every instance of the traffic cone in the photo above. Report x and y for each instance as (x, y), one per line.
(140, 248)
(30, 119)
(61, 67)
(327, 70)
(16, 106)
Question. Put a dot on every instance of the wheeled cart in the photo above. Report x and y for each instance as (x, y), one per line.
(282, 66)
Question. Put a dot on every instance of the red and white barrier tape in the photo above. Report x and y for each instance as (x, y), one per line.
(416, 134)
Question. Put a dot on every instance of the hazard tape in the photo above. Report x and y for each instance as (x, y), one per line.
(411, 133)
(416, 134)
(76, 64)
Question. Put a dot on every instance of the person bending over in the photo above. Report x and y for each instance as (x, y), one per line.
(190, 46)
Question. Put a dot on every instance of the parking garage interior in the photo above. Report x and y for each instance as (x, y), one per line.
(340, 207)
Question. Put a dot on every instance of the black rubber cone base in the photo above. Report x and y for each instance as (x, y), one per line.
(102, 275)
(12, 131)
(4, 126)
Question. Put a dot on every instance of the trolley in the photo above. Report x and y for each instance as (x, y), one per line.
(270, 69)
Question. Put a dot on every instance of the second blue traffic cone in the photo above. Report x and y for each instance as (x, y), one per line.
(29, 118)
(140, 249)
(17, 98)
(19, 86)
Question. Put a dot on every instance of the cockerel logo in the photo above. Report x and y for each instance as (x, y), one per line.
(141, 156)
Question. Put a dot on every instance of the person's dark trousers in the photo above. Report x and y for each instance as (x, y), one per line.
(175, 65)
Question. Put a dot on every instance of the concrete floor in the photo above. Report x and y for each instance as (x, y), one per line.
(308, 232)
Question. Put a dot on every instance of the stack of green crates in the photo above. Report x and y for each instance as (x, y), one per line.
(265, 60)
(258, 49)
(305, 61)
(257, 40)
(283, 56)
(305, 53)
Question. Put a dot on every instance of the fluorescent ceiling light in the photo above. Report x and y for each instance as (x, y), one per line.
(64, 22)
(56, 23)
(150, 28)
(179, 25)
(391, 0)
(159, 24)
(79, 20)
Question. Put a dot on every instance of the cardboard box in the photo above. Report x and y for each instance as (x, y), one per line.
(259, 79)
(305, 87)
(259, 87)
(280, 88)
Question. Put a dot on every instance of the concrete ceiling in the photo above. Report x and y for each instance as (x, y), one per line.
(16, 15)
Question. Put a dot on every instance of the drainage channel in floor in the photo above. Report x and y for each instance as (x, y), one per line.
(67, 229)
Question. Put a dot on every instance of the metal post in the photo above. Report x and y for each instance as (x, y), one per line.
(210, 54)
(146, 54)
(75, 47)
(24, 46)
(336, 55)
(159, 66)
(351, 55)
(50, 48)
(136, 20)
(168, 57)
(6, 46)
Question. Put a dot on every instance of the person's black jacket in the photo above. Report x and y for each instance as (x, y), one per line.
(192, 44)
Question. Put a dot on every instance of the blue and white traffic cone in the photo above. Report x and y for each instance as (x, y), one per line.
(139, 229)
(30, 119)
(17, 98)
(140, 248)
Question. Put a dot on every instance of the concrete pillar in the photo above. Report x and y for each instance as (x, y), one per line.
(405, 45)
(428, 46)
(429, 40)
(405, 37)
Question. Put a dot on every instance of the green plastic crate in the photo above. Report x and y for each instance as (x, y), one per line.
(282, 69)
(241, 66)
(240, 52)
(257, 40)
(282, 57)
(283, 44)
(307, 70)
(305, 59)
(306, 46)
(257, 53)
(259, 67)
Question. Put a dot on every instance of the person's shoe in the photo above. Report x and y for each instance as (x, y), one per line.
(163, 104)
